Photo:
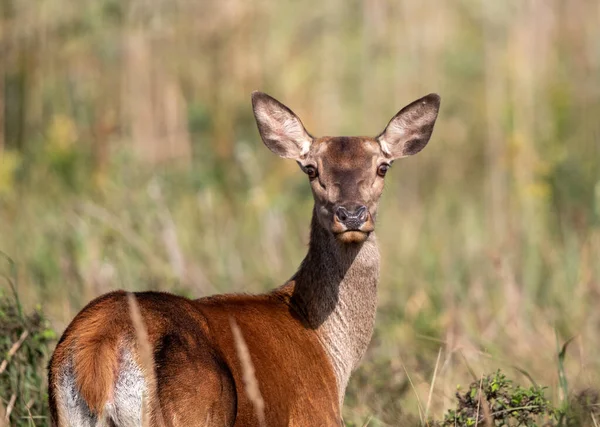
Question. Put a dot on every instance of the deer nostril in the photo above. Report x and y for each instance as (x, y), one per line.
(362, 213)
(341, 213)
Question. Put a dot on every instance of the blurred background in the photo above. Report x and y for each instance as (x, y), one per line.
(129, 158)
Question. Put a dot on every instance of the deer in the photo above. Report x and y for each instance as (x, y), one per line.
(304, 338)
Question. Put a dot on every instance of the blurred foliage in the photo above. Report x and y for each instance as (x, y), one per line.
(129, 159)
(8, 167)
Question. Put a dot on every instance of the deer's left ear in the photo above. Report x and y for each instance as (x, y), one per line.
(410, 129)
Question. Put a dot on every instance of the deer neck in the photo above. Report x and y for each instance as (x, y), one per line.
(335, 293)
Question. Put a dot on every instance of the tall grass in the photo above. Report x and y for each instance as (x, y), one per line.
(129, 159)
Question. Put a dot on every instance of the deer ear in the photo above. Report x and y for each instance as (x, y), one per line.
(280, 129)
(410, 129)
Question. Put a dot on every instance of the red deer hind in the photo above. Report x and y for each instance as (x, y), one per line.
(304, 338)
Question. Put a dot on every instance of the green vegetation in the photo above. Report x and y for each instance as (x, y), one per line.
(495, 401)
(26, 342)
(129, 159)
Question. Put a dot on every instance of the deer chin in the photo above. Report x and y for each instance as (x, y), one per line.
(352, 236)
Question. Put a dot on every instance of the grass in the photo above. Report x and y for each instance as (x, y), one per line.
(454, 305)
(490, 238)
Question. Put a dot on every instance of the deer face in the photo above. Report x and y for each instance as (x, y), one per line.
(346, 174)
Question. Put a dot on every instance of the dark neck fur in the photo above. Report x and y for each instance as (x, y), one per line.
(334, 293)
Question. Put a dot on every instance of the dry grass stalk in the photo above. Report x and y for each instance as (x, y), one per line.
(10, 407)
(482, 404)
(147, 361)
(145, 412)
(3, 422)
(414, 389)
(250, 382)
(487, 416)
(368, 421)
(30, 418)
(479, 402)
(13, 349)
(437, 363)
(169, 232)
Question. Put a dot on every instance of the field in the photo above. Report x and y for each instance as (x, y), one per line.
(129, 159)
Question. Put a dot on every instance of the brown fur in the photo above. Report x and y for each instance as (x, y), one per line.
(304, 338)
(96, 356)
(197, 368)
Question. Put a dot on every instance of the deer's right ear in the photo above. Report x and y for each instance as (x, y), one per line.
(280, 129)
(410, 129)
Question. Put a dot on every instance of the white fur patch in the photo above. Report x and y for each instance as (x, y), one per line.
(72, 404)
(125, 408)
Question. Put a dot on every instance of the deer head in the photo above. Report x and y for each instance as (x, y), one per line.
(346, 174)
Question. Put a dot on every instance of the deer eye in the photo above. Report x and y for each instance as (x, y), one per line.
(311, 171)
(382, 169)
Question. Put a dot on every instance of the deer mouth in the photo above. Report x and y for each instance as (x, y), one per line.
(352, 236)
(347, 234)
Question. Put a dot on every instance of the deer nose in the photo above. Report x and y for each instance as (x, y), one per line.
(352, 219)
